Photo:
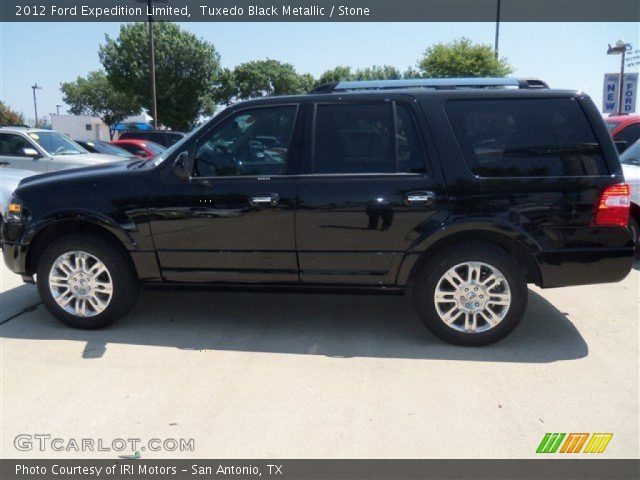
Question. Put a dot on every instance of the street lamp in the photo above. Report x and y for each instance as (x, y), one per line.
(497, 28)
(35, 87)
(620, 47)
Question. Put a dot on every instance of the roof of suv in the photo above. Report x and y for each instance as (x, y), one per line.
(480, 87)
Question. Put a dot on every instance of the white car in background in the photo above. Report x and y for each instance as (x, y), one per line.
(9, 180)
(630, 160)
(45, 151)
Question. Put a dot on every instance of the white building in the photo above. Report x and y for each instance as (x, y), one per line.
(85, 127)
(80, 127)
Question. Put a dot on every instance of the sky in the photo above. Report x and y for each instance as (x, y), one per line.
(565, 55)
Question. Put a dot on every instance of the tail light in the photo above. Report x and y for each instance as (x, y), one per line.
(612, 208)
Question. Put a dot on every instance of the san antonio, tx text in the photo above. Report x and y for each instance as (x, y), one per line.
(135, 469)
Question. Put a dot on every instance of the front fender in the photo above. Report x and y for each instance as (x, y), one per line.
(120, 231)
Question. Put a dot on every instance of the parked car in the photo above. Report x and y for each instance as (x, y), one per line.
(100, 146)
(44, 151)
(9, 180)
(457, 192)
(140, 148)
(624, 128)
(166, 138)
(630, 160)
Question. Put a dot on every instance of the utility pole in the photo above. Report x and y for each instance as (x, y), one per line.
(152, 60)
(497, 29)
(620, 47)
(152, 54)
(35, 87)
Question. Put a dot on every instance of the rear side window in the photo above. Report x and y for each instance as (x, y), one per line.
(629, 134)
(611, 126)
(133, 149)
(526, 138)
(365, 138)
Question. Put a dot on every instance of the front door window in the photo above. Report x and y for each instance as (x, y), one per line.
(252, 142)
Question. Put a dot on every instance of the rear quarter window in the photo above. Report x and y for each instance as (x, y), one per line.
(629, 134)
(526, 138)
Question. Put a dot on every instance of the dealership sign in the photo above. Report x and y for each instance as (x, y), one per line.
(611, 95)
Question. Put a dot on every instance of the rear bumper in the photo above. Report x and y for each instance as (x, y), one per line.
(562, 268)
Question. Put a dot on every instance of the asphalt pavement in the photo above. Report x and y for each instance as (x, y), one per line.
(252, 375)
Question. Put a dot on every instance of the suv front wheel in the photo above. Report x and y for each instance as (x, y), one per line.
(471, 294)
(86, 281)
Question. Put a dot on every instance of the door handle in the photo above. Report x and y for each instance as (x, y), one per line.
(420, 198)
(4, 163)
(267, 199)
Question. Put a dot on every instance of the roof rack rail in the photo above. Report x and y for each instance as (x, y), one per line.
(431, 83)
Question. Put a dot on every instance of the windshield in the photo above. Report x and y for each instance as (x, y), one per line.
(631, 156)
(55, 143)
(110, 149)
(155, 148)
(176, 146)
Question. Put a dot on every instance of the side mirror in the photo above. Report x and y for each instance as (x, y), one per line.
(621, 145)
(182, 165)
(30, 152)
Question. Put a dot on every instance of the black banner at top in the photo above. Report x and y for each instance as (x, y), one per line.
(320, 10)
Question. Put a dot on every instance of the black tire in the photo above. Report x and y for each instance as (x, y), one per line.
(635, 232)
(123, 278)
(435, 267)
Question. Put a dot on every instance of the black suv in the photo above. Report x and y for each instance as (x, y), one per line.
(166, 138)
(459, 192)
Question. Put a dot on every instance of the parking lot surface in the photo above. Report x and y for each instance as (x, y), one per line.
(250, 375)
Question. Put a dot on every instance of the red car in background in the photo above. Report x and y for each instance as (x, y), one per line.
(140, 148)
(624, 128)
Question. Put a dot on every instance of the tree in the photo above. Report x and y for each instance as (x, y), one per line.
(337, 74)
(345, 74)
(223, 90)
(411, 72)
(9, 116)
(461, 58)
(384, 72)
(264, 78)
(186, 69)
(95, 96)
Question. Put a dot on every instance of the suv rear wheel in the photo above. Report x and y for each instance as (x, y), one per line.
(471, 294)
(86, 282)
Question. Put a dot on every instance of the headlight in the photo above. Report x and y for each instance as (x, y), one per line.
(14, 211)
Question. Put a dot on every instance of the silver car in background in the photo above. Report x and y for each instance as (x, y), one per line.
(44, 151)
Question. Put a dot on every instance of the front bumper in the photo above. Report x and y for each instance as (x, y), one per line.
(15, 257)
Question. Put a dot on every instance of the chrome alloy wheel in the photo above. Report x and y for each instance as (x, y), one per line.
(472, 297)
(80, 284)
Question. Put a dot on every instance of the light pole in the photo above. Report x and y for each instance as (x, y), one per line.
(58, 109)
(497, 28)
(152, 63)
(620, 47)
(35, 87)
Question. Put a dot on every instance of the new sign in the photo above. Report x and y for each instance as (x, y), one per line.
(610, 93)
